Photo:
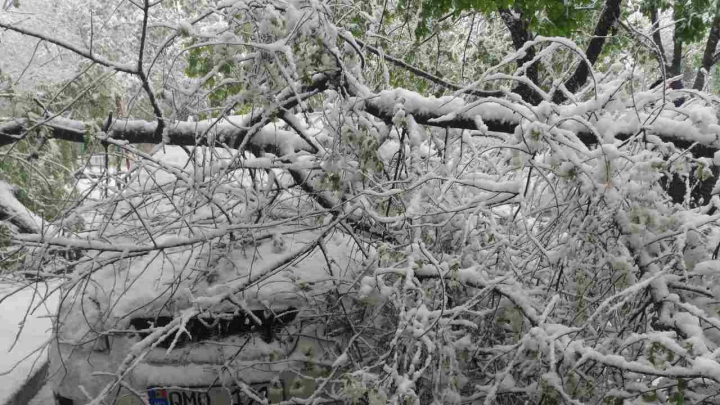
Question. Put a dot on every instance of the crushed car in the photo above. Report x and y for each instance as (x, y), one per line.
(198, 311)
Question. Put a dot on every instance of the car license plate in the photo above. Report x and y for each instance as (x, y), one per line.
(204, 396)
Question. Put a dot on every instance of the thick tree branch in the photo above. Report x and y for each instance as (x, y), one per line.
(710, 46)
(497, 116)
(231, 131)
(610, 14)
(520, 34)
(443, 114)
(427, 111)
(656, 34)
(13, 212)
(676, 63)
(676, 67)
(449, 114)
(144, 77)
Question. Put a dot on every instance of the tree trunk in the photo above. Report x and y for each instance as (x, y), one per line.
(520, 34)
(710, 46)
(610, 14)
(656, 35)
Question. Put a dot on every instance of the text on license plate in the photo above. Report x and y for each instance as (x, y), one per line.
(204, 396)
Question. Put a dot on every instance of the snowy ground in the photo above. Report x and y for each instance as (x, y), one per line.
(27, 355)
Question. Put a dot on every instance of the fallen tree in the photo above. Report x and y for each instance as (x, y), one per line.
(467, 247)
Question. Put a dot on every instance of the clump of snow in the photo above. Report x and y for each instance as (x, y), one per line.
(708, 268)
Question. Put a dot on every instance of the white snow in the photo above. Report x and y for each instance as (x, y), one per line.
(707, 268)
(15, 210)
(28, 353)
(415, 103)
(52, 63)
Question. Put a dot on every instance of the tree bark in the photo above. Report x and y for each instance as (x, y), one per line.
(710, 46)
(188, 133)
(675, 67)
(656, 34)
(520, 34)
(610, 14)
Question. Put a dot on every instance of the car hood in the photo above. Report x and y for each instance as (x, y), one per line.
(165, 283)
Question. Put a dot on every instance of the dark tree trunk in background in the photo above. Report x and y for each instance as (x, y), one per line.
(520, 34)
(656, 35)
(610, 14)
(710, 46)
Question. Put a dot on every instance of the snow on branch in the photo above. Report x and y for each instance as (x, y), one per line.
(472, 247)
(14, 212)
(229, 131)
(500, 116)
